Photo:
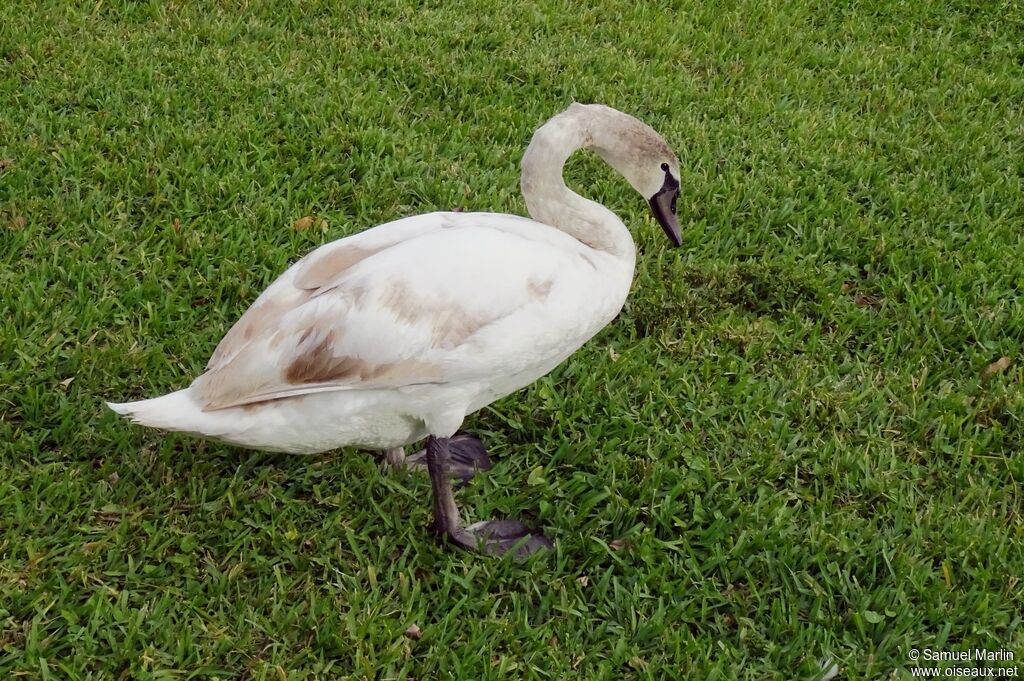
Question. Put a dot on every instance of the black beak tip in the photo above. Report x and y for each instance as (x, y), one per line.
(670, 225)
(662, 207)
(675, 238)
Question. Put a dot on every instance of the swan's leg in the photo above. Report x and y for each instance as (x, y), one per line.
(446, 513)
(466, 456)
(395, 457)
(493, 537)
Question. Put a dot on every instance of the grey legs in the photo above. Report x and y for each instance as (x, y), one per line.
(493, 537)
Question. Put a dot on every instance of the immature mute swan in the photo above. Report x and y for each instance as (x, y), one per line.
(396, 333)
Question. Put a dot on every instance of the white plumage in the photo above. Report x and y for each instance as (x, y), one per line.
(381, 338)
(375, 340)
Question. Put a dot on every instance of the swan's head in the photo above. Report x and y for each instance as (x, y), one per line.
(642, 156)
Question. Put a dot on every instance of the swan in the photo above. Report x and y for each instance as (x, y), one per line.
(397, 333)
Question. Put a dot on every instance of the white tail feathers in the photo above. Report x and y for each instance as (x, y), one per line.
(174, 411)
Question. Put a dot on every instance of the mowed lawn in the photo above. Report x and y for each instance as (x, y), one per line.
(798, 446)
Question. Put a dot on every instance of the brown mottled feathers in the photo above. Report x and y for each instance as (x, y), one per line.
(313, 272)
(295, 339)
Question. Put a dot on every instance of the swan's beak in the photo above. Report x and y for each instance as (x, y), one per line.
(663, 205)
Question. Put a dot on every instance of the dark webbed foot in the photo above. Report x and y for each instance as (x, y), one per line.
(466, 456)
(498, 537)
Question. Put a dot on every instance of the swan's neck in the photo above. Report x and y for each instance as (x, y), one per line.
(550, 201)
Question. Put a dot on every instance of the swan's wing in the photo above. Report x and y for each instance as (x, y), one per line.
(303, 279)
(398, 305)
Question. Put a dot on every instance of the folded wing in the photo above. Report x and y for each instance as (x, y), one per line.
(391, 307)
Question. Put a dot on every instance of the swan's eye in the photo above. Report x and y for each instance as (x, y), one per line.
(670, 185)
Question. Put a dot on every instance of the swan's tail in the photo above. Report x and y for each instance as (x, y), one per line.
(174, 411)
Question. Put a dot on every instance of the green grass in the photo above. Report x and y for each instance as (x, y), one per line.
(786, 448)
